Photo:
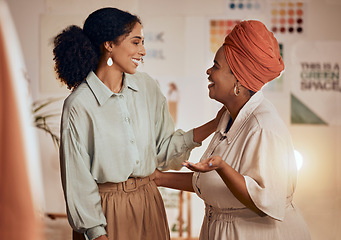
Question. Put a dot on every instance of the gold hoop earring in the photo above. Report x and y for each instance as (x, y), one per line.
(236, 90)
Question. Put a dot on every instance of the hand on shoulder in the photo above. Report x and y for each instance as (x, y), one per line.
(103, 237)
(219, 115)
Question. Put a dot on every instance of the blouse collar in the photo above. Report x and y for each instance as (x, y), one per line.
(102, 92)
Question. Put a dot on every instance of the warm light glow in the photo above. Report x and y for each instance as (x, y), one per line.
(299, 159)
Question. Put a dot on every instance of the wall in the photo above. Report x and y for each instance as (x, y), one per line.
(185, 42)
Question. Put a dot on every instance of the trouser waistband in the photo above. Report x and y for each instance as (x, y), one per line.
(130, 185)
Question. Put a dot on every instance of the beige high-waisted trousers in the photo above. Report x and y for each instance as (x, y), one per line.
(134, 210)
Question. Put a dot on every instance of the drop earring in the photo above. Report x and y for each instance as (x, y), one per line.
(110, 62)
(236, 90)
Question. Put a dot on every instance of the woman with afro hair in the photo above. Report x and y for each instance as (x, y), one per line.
(116, 130)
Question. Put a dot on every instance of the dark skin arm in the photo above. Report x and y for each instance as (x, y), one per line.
(103, 237)
(202, 132)
(174, 180)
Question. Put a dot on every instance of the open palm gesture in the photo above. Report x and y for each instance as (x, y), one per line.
(209, 164)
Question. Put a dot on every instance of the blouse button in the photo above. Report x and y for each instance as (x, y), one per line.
(132, 141)
(137, 162)
(126, 119)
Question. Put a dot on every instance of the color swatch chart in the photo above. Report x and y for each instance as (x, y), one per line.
(287, 17)
(218, 30)
(243, 4)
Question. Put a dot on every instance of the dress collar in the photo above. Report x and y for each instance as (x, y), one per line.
(242, 117)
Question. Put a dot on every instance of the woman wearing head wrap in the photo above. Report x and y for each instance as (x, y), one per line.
(115, 131)
(247, 176)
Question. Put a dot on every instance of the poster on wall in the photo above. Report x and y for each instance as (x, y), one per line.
(218, 29)
(242, 5)
(165, 45)
(287, 17)
(316, 87)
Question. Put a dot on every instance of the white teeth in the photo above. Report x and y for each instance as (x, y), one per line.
(135, 60)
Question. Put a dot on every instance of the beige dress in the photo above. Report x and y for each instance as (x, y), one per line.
(258, 146)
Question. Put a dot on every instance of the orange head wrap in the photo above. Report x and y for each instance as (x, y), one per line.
(252, 53)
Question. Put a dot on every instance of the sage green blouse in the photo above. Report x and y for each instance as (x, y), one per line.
(108, 137)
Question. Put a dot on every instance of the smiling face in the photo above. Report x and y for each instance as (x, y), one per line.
(222, 81)
(128, 52)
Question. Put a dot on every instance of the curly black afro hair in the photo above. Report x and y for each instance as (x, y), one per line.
(74, 56)
(77, 52)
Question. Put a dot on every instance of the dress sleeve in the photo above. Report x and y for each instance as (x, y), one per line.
(173, 147)
(264, 167)
(83, 202)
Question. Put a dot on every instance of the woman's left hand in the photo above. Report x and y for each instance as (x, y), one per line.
(212, 163)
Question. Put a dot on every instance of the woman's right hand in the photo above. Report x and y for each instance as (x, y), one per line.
(219, 115)
(103, 237)
(202, 132)
(157, 179)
